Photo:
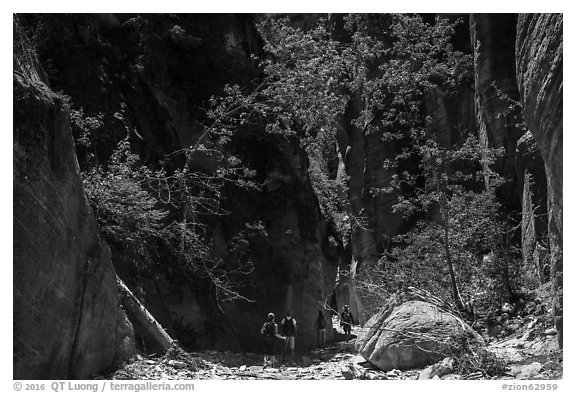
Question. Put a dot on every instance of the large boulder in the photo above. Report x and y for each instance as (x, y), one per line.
(67, 320)
(413, 334)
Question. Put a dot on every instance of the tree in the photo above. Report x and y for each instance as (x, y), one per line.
(417, 258)
(300, 98)
(433, 180)
(309, 78)
(135, 208)
(128, 214)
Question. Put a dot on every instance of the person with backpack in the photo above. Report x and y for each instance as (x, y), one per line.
(320, 327)
(346, 321)
(269, 334)
(289, 331)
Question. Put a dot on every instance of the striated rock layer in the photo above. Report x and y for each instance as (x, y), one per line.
(539, 62)
(67, 319)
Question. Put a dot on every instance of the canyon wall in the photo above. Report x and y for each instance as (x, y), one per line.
(539, 61)
(151, 77)
(67, 319)
(500, 119)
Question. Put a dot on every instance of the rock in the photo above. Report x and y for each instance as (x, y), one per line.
(350, 371)
(67, 321)
(394, 373)
(550, 332)
(539, 58)
(374, 376)
(242, 368)
(446, 366)
(177, 364)
(493, 37)
(452, 377)
(539, 70)
(412, 334)
(526, 371)
(510, 354)
(507, 308)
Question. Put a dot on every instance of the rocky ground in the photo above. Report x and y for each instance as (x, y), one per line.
(525, 345)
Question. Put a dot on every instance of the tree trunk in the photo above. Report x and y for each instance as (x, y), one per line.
(444, 218)
(449, 263)
(138, 313)
(505, 271)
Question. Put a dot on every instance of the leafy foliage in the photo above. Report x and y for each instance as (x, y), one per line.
(417, 257)
(389, 63)
(301, 97)
(128, 214)
(135, 208)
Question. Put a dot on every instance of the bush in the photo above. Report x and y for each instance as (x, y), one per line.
(482, 361)
(128, 215)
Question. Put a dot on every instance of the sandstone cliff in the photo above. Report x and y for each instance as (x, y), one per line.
(67, 318)
(499, 122)
(539, 59)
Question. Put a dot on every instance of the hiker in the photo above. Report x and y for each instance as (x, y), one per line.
(346, 321)
(289, 331)
(320, 327)
(269, 333)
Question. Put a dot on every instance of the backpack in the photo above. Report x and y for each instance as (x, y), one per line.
(268, 329)
(347, 317)
(288, 326)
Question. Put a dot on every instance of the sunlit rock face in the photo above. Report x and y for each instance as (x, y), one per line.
(540, 81)
(539, 60)
(67, 319)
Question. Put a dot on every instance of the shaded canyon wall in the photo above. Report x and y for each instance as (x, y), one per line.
(151, 78)
(67, 320)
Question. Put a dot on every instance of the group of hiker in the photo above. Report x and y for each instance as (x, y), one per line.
(288, 327)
